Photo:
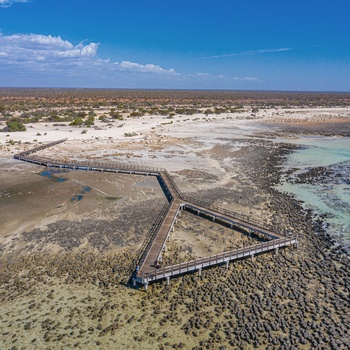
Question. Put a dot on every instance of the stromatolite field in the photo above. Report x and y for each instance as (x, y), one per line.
(69, 240)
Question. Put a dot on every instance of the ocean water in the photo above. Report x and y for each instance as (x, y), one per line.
(320, 151)
(328, 194)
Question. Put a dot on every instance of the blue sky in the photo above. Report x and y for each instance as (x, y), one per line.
(222, 44)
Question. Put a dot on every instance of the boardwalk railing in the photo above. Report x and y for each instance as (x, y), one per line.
(221, 210)
(198, 264)
(89, 165)
(170, 228)
(41, 147)
(178, 192)
(154, 231)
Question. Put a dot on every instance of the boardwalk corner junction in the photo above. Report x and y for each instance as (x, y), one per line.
(149, 267)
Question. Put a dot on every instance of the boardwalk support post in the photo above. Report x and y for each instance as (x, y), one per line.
(200, 272)
(146, 286)
(276, 251)
(227, 264)
(167, 280)
(252, 257)
(134, 282)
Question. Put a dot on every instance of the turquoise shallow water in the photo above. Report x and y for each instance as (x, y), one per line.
(320, 151)
(330, 196)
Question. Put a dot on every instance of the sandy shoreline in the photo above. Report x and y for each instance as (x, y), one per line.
(146, 127)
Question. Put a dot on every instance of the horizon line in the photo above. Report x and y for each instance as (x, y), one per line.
(170, 89)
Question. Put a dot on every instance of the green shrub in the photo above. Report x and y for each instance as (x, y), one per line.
(77, 121)
(89, 121)
(115, 115)
(15, 126)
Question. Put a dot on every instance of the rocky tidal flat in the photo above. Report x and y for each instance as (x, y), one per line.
(65, 263)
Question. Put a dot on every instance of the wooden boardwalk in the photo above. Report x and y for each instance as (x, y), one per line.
(153, 255)
(148, 269)
(230, 218)
(145, 277)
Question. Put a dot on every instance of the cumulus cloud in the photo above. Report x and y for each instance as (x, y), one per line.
(8, 3)
(51, 58)
(26, 49)
(45, 60)
(145, 68)
(32, 47)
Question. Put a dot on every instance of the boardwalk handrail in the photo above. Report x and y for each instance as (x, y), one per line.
(88, 164)
(63, 162)
(171, 226)
(173, 183)
(144, 247)
(222, 210)
(39, 148)
(192, 265)
(154, 231)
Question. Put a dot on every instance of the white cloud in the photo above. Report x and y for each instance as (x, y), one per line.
(80, 50)
(246, 79)
(37, 60)
(250, 79)
(8, 3)
(205, 76)
(51, 58)
(211, 77)
(28, 47)
(45, 60)
(145, 68)
(252, 52)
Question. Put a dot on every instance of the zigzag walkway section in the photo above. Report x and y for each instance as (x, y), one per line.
(148, 268)
(225, 257)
